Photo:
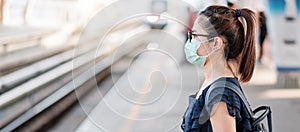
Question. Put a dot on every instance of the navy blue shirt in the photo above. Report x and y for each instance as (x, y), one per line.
(196, 117)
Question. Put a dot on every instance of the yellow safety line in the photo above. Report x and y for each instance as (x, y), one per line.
(136, 109)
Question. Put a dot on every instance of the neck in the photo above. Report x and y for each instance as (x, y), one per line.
(213, 70)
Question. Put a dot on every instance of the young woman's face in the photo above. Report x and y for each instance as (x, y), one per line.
(206, 45)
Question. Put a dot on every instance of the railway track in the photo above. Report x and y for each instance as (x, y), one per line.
(45, 108)
(33, 96)
(36, 68)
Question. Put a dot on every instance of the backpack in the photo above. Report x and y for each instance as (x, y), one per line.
(256, 121)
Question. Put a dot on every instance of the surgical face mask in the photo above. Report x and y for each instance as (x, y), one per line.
(191, 55)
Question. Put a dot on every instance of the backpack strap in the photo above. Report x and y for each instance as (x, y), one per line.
(267, 113)
(270, 120)
(222, 84)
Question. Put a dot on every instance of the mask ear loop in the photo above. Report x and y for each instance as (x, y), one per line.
(214, 48)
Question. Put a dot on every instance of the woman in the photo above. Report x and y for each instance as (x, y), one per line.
(222, 41)
(262, 33)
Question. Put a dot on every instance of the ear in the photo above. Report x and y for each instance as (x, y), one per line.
(217, 43)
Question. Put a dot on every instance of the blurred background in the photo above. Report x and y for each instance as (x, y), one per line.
(103, 65)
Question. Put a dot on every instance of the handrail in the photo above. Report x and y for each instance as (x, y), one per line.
(36, 83)
(17, 38)
(16, 77)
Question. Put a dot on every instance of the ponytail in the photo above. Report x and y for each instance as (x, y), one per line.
(227, 22)
(248, 57)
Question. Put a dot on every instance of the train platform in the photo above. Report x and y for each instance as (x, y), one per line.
(152, 94)
(157, 103)
(66, 67)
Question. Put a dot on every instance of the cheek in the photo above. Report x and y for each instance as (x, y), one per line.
(202, 50)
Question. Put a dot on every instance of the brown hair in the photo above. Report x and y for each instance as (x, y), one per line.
(240, 39)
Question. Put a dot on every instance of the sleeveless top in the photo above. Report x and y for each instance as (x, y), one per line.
(196, 117)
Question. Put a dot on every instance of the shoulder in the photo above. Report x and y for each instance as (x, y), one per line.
(223, 95)
(229, 100)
